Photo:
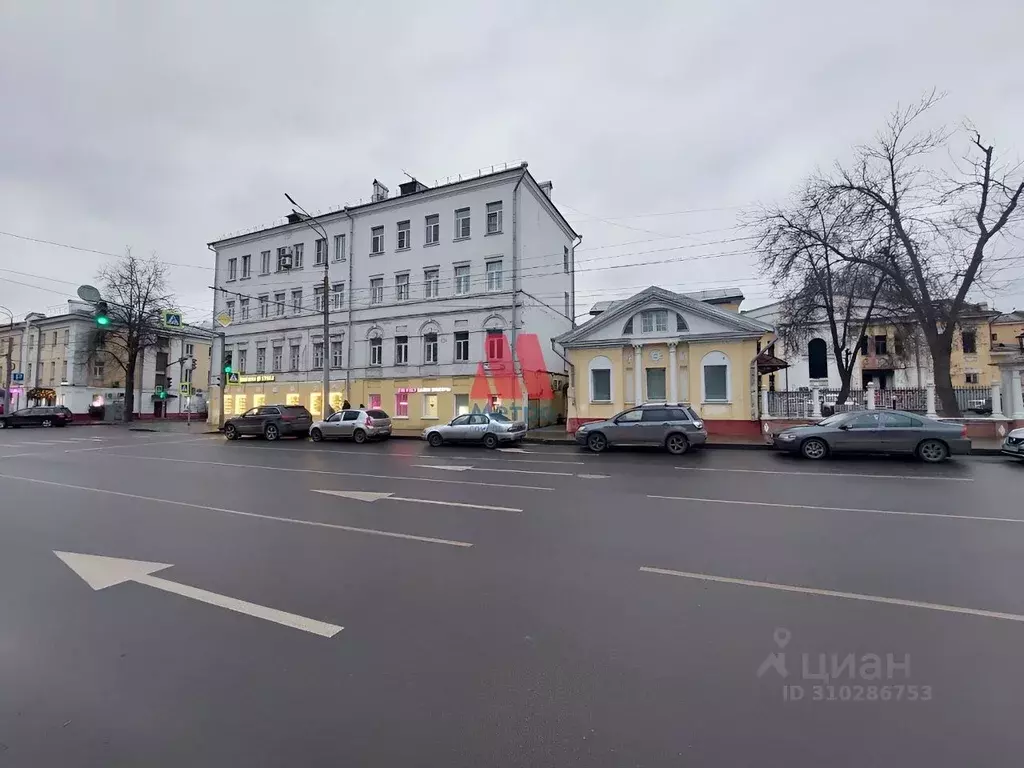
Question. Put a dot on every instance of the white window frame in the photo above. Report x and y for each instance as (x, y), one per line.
(462, 281)
(276, 359)
(402, 286)
(401, 350)
(376, 290)
(297, 251)
(264, 304)
(247, 266)
(339, 248)
(715, 358)
(430, 348)
(99, 368)
(431, 283)
(318, 298)
(653, 315)
(190, 350)
(377, 240)
(243, 360)
(499, 345)
(296, 305)
(431, 229)
(465, 344)
(494, 276)
(337, 296)
(463, 224)
(494, 216)
(376, 353)
(280, 302)
(318, 355)
(294, 357)
(243, 309)
(232, 269)
(261, 359)
(337, 353)
(403, 235)
(321, 251)
(264, 262)
(437, 406)
(600, 363)
(229, 307)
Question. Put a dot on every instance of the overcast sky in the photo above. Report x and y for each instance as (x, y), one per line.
(162, 126)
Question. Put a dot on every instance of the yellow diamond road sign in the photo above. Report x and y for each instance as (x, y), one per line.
(224, 319)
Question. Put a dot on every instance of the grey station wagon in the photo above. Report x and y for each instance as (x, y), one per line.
(676, 427)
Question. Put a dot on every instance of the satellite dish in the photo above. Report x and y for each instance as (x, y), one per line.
(88, 293)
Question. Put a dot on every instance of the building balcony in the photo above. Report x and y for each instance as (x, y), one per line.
(881, 363)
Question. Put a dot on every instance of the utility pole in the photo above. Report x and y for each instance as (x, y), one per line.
(10, 363)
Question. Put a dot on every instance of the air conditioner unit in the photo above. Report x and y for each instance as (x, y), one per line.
(287, 258)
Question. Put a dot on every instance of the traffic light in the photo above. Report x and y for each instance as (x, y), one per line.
(227, 363)
(101, 314)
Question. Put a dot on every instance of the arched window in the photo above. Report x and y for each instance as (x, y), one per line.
(715, 385)
(681, 323)
(627, 329)
(600, 373)
(817, 359)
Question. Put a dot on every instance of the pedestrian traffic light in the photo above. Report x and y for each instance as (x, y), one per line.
(227, 363)
(101, 314)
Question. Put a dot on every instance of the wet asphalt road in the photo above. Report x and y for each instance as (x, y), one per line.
(571, 610)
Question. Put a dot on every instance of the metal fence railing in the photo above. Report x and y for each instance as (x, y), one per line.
(799, 404)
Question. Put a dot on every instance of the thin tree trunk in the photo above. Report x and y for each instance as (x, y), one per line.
(129, 391)
(844, 389)
(948, 405)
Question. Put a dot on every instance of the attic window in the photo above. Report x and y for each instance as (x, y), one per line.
(654, 320)
(681, 323)
(629, 327)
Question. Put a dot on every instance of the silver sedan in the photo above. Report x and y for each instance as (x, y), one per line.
(489, 429)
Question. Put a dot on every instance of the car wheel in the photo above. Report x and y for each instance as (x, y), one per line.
(814, 449)
(316, 434)
(230, 432)
(597, 442)
(3, 424)
(932, 451)
(677, 444)
(490, 441)
(47, 423)
(271, 432)
(435, 439)
(359, 436)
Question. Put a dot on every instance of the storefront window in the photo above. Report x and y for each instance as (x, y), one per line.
(375, 401)
(461, 404)
(430, 406)
(495, 403)
(240, 404)
(316, 404)
(292, 398)
(228, 401)
(401, 405)
(336, 400)
(258, 400)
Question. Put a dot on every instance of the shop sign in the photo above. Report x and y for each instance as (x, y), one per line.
(258, 379)
(426, 390)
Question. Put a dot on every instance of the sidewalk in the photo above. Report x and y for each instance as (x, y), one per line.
(197, 427)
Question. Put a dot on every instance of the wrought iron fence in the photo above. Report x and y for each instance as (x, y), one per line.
(799, 404)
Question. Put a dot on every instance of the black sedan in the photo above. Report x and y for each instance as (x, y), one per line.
(38, 416)
(879, 431)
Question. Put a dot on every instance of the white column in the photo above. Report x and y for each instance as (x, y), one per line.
(673, 374)
(764, 403)
(997, 400)
(1016, 408)
(929, 398)
(815, 403)
(638, 383)
(871, 395)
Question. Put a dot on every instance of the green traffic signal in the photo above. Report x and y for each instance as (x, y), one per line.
(102, 320)
(100, 314)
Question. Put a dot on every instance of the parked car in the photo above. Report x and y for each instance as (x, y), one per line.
(38, 416)
(489, 429)
(270, 421)
(675, 427)
(980, 406)
(1013, 445)
(358, 424)
(878, 431)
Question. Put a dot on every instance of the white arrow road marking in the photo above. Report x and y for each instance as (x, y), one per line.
(833, 593)
(449, 467)
(371, 497)
(101, 572)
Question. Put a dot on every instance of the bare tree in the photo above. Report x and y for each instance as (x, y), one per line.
(802, 249)
(136, 292)
(933, 230)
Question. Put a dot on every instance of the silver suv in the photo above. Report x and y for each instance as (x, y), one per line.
(677, 427)
(358, 424)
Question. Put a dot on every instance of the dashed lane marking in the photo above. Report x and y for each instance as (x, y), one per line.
(827, 474)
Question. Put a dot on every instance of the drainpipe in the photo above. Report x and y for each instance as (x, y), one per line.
(515, 286)
(572, 280)
(348, 331)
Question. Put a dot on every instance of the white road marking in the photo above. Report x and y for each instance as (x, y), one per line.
(491, 458)
(512, 450)
(461, 468)
(374, 496)
(827, 474)
(838, 509)
(593, 477)
(449, 467)
(101, 572)
(139, 445)
(240, 513)
(264, 468)
(834, 593)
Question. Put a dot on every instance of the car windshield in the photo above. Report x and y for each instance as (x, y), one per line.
(499, 417)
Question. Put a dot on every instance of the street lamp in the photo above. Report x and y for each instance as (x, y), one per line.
(316, 226)
(10, 362)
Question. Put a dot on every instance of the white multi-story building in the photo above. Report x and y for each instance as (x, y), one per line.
(429, 289)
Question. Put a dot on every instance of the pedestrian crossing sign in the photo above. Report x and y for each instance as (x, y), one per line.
(185, 388)
(232, 378)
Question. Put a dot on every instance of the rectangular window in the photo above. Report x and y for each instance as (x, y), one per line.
(246, 266)
(716, 385)
(264, 301)
(321, 251)
(375, 401)
(461, 405)
(495, 345)
(462, 346)
(494, 275)
(430, 283)
(376, 352)
(655, 383)
(318, 355)
(98, 367)
(318, 298)
(53, 371)
(432, 231)
(377, 240)
(187, 373)
(429, 348)
(401, 350)
(277, 359)
(881, 345)
(190, 350)
(294, 352)
(265, 262)
(229, 307)
(402, 236)
(565, 257)
(970, 342)
(971, 378)
(430, 406)
(297, 301)
(339, 248)
(297, 250)
(402, 405)
(377, 290)
(279, 304)
(402, 287)
(232, 269)
(601, 385)
(494, 218)
(461, 223)
(337, 296)
(243, 357)
(55, 338)
(462, 279)
(243, 305)
(654, 320)
(568, 306)
(261, 359)
(67, 338)
(336, 350)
